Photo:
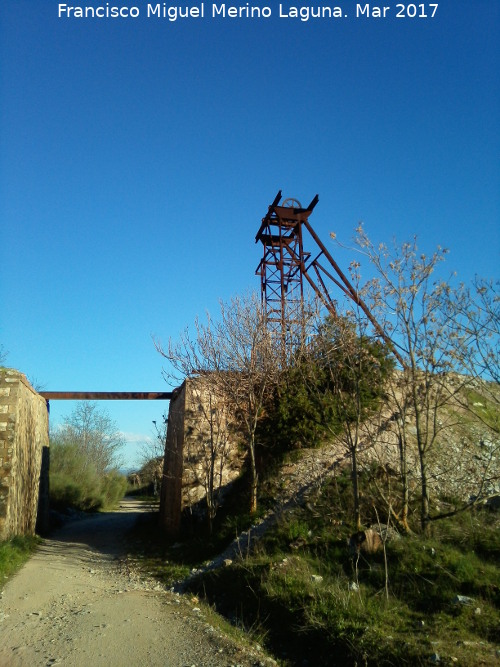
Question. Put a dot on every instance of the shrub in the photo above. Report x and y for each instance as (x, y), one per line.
(75, 483)
(113, 487)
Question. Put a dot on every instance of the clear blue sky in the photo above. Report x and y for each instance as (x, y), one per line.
(138, 157)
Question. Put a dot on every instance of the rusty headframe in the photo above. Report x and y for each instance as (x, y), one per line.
(282, 266)
(285, 265)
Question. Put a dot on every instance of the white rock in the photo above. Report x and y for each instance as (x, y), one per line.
(462, 599)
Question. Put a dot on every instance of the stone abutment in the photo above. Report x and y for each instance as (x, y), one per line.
(24, 457)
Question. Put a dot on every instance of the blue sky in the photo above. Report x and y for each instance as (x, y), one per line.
(138, 157)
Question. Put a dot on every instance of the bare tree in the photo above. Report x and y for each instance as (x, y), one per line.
(154, 448)
(95, 434)
(209, 444)
(242, 360)
(475, 311)
(352, 367)
(480, 307)
(414, 308)
(151, 457)
(400, 406)
(3, 355)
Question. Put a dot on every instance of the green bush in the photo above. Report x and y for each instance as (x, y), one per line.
(113, 488)
(322, 391)
(82, 494)
(75, 482)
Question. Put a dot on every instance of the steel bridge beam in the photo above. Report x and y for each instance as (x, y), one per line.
(106, 395)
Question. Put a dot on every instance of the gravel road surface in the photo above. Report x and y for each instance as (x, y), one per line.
(76, 603)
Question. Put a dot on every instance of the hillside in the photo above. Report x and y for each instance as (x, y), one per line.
(291, 580)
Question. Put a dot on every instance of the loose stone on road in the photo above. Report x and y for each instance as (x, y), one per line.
(73, 604)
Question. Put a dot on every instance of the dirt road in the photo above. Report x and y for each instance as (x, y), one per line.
(75, 604)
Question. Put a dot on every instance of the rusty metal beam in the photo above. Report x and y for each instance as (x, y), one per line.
(313, 203)
(106, 395)
(352, 292)
(270, 210)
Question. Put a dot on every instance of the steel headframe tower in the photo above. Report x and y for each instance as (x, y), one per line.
(282, 266)
(285, 265)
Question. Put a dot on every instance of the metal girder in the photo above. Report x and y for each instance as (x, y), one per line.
(106, 395)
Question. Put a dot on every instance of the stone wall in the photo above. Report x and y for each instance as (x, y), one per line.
(24, 449)
(171, 486)
(200, 441)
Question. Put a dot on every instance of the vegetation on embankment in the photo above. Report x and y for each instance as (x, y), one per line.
(14, 553)
(84, 460)
(310, 600)
(419, 447)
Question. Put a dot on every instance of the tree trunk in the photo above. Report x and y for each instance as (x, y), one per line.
(253, 493)
(355, 489)
(424, 505)
(422, 440)
(253, 478)
(404, 483)
(210, 521)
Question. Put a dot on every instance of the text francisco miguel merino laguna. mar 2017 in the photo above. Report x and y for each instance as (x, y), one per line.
(202, 10)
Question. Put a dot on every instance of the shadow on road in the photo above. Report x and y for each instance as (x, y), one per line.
(104, 532)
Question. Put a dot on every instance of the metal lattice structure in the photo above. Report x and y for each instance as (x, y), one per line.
(281, 268)
(286, 267)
